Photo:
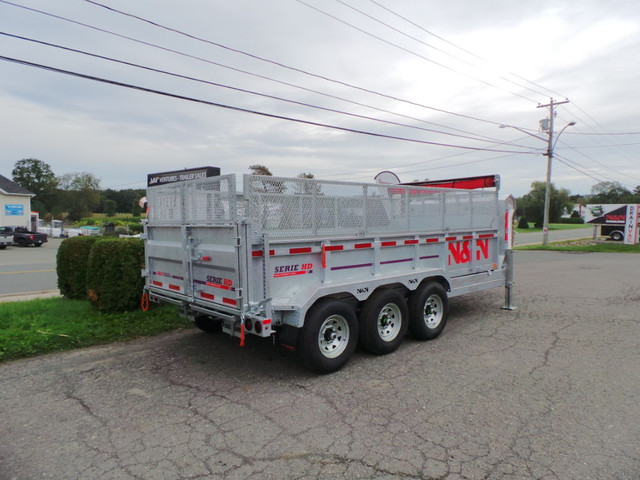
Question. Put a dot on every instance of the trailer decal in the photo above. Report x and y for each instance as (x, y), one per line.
(427, 257)
(483, 249)
(291, 270)
(345, 267)
(169, 275)
(401, 260)
(460, 252)
(217, 282)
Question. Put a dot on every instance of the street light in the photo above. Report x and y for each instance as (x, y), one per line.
(551, 145)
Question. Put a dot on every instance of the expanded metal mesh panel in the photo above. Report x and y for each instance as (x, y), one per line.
(295, 207)
(203, 201)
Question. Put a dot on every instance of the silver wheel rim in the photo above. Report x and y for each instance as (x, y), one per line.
(389, 322)
(433, 310)
(333, 337)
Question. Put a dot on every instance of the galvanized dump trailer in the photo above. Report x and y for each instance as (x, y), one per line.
(320, 264)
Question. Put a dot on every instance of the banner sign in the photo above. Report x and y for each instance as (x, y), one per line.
(609, 214)
(13, 210)
(162, 178)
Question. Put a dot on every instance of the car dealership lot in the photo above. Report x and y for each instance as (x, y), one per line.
(548, 391)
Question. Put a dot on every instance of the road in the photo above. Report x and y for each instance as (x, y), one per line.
(29, 269)
(547, 391)
(554, 236)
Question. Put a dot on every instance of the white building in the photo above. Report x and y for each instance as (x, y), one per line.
(15, 205)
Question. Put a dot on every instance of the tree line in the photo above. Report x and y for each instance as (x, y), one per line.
(71, 196)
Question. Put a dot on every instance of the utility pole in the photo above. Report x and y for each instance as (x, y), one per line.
(547, 193)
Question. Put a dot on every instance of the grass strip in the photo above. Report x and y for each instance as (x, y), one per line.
(587, 246)
(50, 325)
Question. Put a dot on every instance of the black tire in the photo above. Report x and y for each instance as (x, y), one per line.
(428, 311)
(22, 242)
(383, 322)
(329, 336)
(617, 236)
(2, 247)
(208, 324)
(37, 244)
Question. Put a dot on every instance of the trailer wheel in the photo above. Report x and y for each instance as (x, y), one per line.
(428, 311)
(384, 320)
(329, 336)
(617, 236)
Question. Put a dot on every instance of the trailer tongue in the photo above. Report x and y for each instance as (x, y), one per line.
(321, 264)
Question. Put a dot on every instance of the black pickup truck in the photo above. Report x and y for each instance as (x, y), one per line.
(23, 237)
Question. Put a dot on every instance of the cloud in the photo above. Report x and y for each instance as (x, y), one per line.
(585, 52)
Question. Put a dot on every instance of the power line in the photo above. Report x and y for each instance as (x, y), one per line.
(242, 90)
(282, 65)
(422, 42)
(258, 75)
(319, 10)
(467, 51)
(246, 110)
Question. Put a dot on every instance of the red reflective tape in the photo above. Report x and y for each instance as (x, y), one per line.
(206, 259)
(411, 242)
(293, 251)
(467, 237)
(363, 245)
(156, 283)
(272, 252)
(450, 239)
(388, 244)
(174, 287)
(432, 240)
(229, 301)
(266, 322)
(208, 296)
(333, 248)
(256, 253)
(486, 235)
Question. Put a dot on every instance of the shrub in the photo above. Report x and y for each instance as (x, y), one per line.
(114, 281)
(71, 266)
(522, 223)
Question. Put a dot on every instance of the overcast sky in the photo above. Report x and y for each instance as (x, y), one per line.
(443, 74)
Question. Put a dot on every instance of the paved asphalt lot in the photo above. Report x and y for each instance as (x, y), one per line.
(548, 391)
(29, 269)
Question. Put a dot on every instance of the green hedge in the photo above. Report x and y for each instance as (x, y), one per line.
(71, 266)
(114, 281)
(576, 220)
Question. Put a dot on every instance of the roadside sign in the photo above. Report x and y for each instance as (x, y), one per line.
(631, 225)
(13, 210)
